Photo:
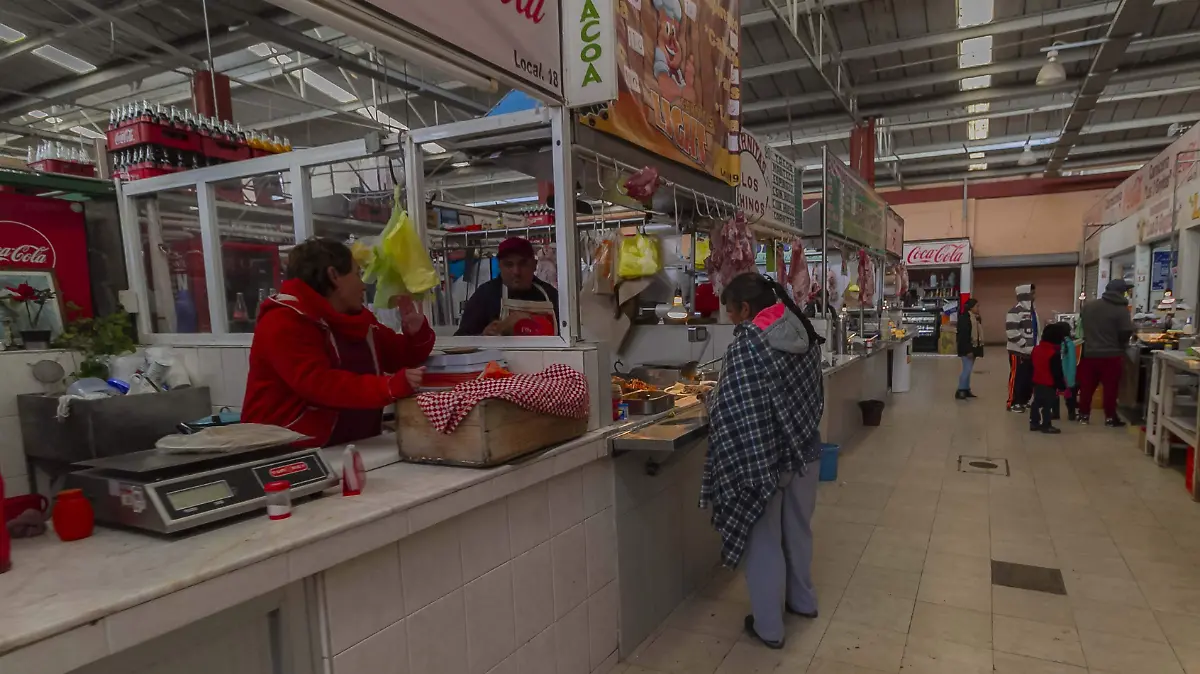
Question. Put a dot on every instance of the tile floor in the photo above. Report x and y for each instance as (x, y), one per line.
(904, 543)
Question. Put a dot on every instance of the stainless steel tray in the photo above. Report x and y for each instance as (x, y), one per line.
(645, 403)
(667, 435)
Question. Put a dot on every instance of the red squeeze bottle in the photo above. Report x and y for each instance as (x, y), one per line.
(73, 517)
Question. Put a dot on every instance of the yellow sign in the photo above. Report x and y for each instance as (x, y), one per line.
(680, 82)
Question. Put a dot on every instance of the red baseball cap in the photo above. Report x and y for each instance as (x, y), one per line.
(515, 246)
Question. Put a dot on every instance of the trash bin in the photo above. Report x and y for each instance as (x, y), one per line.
(872, 412)
(829, 460)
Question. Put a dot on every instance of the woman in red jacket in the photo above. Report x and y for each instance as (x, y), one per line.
(321, 364)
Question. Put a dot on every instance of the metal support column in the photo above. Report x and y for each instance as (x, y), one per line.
(214, 268)
(561, 128)
(302, 216)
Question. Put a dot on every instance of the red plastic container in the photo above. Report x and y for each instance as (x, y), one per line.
(73, 516)
(148, 132)
(63, 167)
(1190, 469)
(5, 543)
(224, 150)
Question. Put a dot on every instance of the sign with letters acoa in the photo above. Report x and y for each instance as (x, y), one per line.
(590, 58)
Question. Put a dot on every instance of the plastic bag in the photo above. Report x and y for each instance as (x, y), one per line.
(401, 265)
(602, 268)
(703, 250)
(639, 256)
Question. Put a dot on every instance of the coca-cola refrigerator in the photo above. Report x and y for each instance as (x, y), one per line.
(939, 282)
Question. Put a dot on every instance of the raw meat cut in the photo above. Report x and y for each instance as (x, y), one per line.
(732, 251)
(547, 264)
(643, 184)
(866, 279)
(799, 281)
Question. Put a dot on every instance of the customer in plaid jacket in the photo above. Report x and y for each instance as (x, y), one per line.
(758, 478)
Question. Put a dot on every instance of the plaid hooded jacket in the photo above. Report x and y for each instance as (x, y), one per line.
(764, 418)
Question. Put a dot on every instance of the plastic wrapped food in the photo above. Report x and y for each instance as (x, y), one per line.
(547, 264)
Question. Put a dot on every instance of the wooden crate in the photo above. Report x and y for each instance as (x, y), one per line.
(495, 432)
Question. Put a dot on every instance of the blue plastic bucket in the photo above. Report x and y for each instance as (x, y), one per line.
(829, 461)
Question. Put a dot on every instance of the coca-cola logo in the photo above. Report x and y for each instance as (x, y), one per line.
(936, 254)
(24, 246)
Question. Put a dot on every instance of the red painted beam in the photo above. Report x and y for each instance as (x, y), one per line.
(1000, 189)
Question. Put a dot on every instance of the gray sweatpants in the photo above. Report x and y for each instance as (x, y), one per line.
(778, 555)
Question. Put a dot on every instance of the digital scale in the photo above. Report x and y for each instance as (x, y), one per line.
(167, 493)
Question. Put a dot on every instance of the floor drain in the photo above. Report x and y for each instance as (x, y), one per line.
(983, 464)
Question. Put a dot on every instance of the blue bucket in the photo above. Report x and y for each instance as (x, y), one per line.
(829, 461)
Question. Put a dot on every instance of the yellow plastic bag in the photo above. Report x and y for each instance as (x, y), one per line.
(639, 256)
(703, 250)
(401, 264)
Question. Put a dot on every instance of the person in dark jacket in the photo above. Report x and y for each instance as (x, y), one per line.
(1107, 328)
(970, 346)
(760, 473)
(515, 289)
(1048, 379)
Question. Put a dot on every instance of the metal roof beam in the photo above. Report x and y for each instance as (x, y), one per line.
(1052, 18)
(1131, 17)
(94, 22)
(761, 16)
(282, 35)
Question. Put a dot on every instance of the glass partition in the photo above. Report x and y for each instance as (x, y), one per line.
(172, 255)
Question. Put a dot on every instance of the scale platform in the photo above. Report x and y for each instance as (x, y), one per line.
(169, 493)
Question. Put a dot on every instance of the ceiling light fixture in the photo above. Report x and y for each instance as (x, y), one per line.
(62, 58)
(9, 34)
(1027, 158)
(1052, 71)
(87, 133)
(461, 164)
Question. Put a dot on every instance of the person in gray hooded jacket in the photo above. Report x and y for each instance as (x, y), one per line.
(1021, 328)
(1107, 327)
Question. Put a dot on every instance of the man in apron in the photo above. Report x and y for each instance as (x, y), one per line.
(516, 303)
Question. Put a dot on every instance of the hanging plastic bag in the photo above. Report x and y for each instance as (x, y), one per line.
(639, 256)
(703, 250)
(401, 264)
(602, 268)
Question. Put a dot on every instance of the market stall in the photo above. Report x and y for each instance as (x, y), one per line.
(939, 282)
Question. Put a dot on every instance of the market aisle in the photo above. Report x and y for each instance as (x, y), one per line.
(903, 545)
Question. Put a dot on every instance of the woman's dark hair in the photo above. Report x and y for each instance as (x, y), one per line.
(760, 292)
(1055, 333)
(970, 304)
(311, 260)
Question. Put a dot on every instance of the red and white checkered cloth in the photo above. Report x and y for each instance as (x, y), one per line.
(558, 390)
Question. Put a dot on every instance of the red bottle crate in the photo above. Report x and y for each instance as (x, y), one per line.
(64, 167)
(223, 149)
(141, 133)
(144, 172)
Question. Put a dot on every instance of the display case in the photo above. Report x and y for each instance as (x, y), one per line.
(925, 326)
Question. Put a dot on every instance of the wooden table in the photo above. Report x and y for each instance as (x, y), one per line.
(1170, 412)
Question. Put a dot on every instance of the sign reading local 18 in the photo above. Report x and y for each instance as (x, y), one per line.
(591, 52)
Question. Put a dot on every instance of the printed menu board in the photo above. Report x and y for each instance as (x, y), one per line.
(894, 233)
(766, 192)
(680, 83)
(852, 209)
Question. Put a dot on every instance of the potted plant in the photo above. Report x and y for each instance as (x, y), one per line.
(97, 340)
(34, 302)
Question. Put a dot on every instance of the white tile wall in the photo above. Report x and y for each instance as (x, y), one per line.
(16, 378)
(363, 596)
(566, 501)
(223, 369)
(491, 591)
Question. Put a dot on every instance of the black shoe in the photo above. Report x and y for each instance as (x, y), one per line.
(749, 625)
(1084, 420)
(1035, 428)
(1051, 430)
(810, 616)
(971, 395)
(960, 395)
(1019, 409)
(1115, 423)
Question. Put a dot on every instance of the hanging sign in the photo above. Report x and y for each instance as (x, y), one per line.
(590, 43)
(766, 191)
(853, 209)
(680, 84)
(521, 37)
(894, 236)
(950, 253)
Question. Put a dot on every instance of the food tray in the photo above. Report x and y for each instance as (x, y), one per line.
(646, 403)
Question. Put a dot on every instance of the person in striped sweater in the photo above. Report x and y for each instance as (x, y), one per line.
(1021, 327)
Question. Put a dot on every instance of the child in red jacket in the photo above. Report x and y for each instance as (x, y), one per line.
(1048, 379)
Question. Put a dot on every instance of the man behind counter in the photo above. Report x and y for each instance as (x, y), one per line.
(516, 290)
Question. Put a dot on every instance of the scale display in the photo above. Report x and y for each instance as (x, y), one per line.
(199, 495)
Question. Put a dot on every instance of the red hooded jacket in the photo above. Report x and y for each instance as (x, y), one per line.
(294, 378)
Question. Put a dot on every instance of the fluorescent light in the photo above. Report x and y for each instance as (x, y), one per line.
(977, 129)
(325, 86)
(86, 133)
(977, 155)
(263, 50)
(1102, 170)
(62, 58)
(433, 148)
(37, 114)
(461, 164)
(977, 167)
(976, 51)
(10, 35)
(977, 82)
(974, 12)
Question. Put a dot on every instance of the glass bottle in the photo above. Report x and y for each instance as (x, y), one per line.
(239, 308)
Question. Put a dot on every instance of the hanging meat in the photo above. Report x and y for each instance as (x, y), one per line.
(547, 264)
(780, 264)
(642, 185)
(799, 281)
(732, 251)
(866, 280)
